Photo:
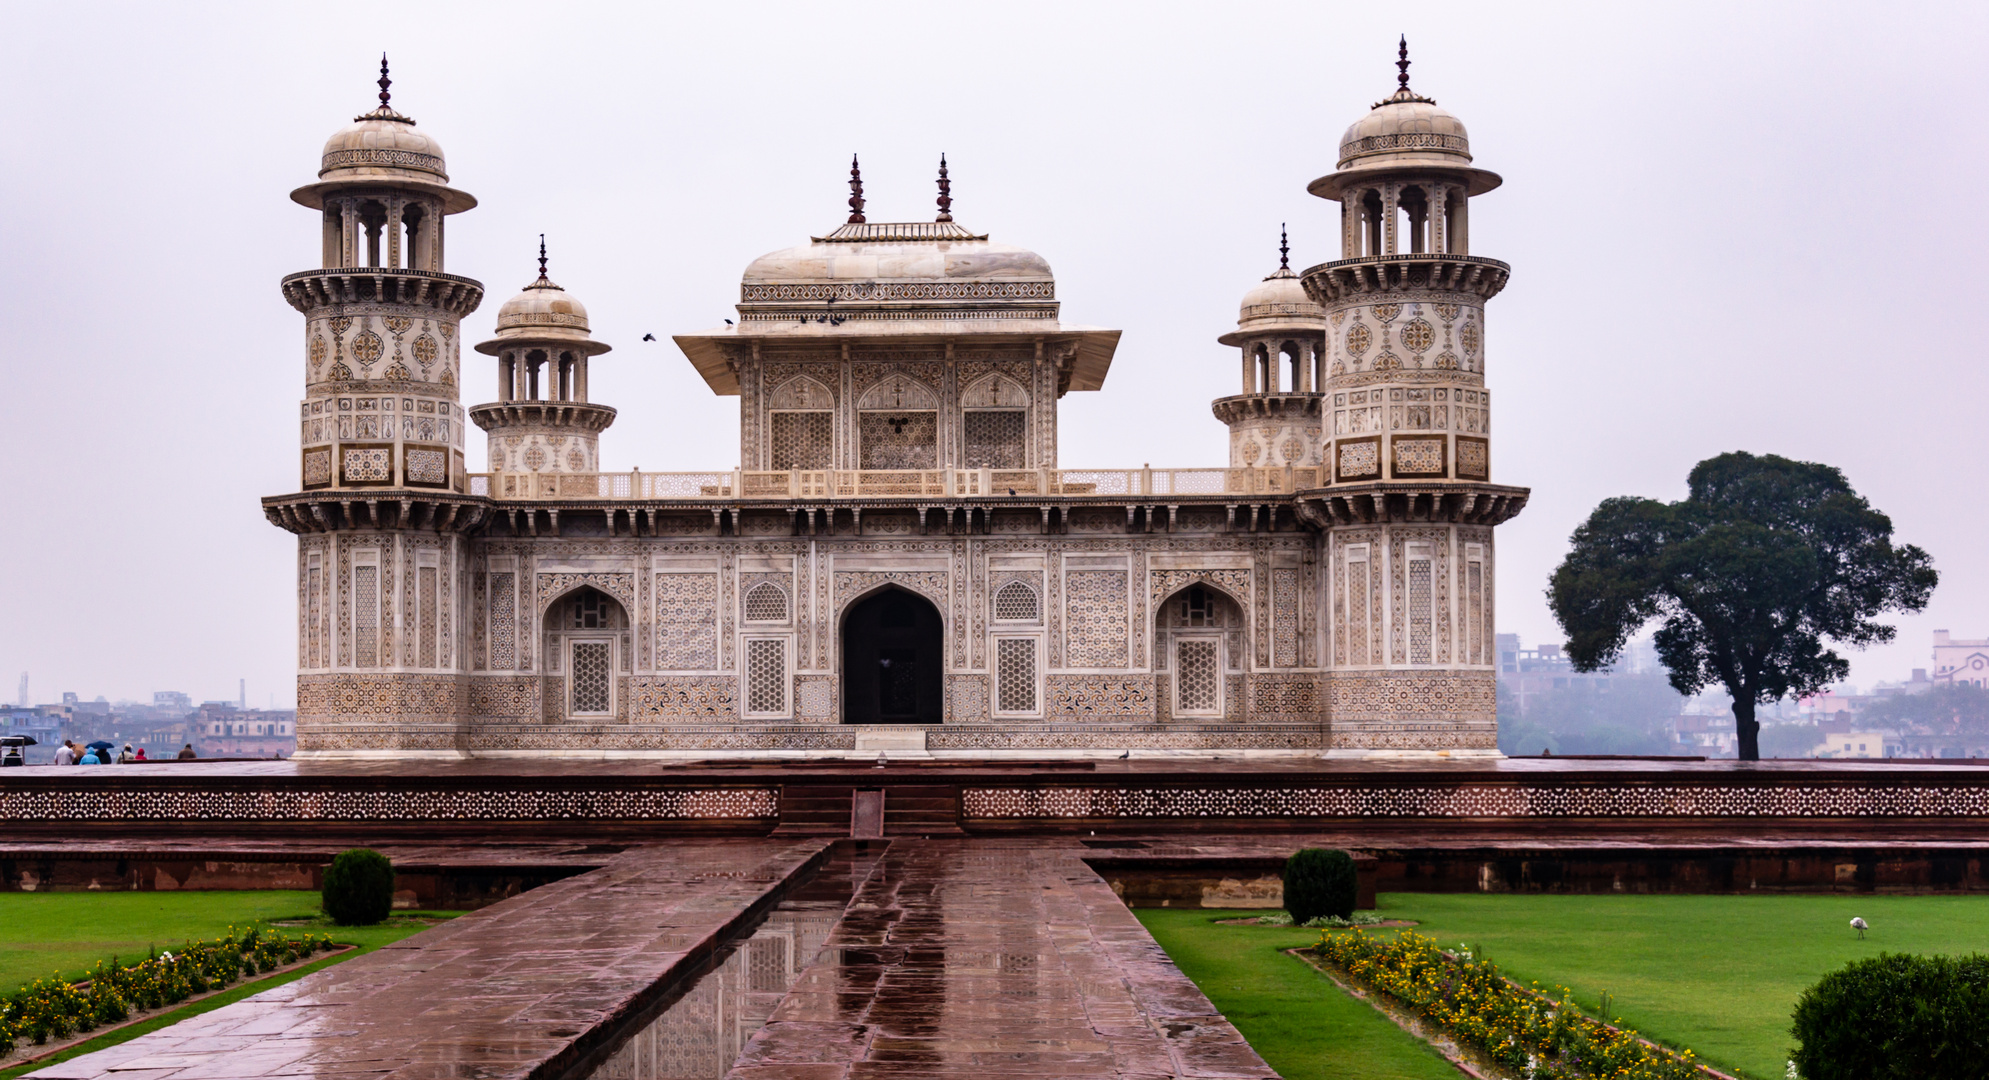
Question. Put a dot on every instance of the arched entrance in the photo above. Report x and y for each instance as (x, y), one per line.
(1197, 641)
(587, 640)
(893, 656)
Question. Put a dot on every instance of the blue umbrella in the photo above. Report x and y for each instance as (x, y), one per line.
(100, 745)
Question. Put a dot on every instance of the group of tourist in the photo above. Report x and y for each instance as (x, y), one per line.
(98, 753)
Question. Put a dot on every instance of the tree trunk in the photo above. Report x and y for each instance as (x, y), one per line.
(1748, 727)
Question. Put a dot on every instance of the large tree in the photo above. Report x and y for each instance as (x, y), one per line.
(1763, 562)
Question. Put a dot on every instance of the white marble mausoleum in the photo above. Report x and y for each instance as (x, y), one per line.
(899, 562)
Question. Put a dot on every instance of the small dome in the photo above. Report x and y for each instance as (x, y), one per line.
(1279, 298)
(383, 145)
(1406, 129)
(542, 312)
(541, 306)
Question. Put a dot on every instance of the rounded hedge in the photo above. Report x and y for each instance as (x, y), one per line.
(1319, 881)
(359, 887)
(1925, 1017)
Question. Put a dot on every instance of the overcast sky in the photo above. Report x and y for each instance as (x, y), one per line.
(1731, 226)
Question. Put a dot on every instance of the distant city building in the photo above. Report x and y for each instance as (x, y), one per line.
(1528, 673)
(1958, 660)
(172, 699)
(221, 729)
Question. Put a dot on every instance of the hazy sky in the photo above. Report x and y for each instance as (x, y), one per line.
(1731, 226)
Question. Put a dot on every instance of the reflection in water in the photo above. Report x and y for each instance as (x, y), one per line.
(700, 1035)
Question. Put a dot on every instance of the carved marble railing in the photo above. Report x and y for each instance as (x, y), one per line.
(892, 483)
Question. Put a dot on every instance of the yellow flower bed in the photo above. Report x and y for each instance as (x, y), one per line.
(1533, 1034)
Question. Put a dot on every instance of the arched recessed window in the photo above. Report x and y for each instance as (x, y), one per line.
(766, 602)
(1015, 602)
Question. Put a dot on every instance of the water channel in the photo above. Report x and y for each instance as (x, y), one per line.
(701, 1030)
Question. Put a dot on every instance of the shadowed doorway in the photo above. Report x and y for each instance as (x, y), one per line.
(892, 658)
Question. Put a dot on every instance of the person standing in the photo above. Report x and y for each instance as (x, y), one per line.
(186, 753)
(66, 753)
(90, 757)
(127, 757)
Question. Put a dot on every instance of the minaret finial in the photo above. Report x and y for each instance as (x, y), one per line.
(542, 255)
(385, 95)
(855, 192)
(1402, 62)
(945, 192)
(1284, 249)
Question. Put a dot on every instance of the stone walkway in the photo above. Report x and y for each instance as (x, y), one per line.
(509, 991)
(979, 958)
(956, 957)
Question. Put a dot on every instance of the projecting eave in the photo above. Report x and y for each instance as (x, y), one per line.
(715, 353)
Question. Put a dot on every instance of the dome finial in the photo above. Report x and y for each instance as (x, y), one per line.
(542, 255)
(1284, 249)
(1402, 63)
(385, 82)
(855, 192)
(945, 192)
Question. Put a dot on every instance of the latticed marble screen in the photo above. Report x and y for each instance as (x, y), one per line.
(995, 438)
(592, 670)
(686, 622)
(898, 440)
(425, 602)
(799, 440)
(1284, 617)
(1015, 674)
(1197, 688)
(766, 602)
(1420, 614)
(1016, 602)
(1095, 613)
(766, 675)
(1474, 613)
(503, 622)
(366, 615)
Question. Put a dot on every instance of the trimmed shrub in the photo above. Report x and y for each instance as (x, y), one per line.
(359, 887)
(1319, 882)
(1925, 1017)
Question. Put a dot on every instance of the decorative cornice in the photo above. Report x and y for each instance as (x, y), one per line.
(1460, 502)
(856, 232)
(1334, 282)
(335, 511)
(1241, 407)
(309, 290)
(568, 414)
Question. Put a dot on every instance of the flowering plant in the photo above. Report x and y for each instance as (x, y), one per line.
(1537, 1035)
(52, 1007)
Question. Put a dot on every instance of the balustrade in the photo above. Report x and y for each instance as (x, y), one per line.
(816, 484)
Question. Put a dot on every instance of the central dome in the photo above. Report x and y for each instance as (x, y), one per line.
(909, 252)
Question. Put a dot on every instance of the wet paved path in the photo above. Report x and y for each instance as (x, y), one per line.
(982, 958)
(508, 991)
(956, 957)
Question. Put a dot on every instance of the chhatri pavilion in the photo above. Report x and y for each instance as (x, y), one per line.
(899, 563)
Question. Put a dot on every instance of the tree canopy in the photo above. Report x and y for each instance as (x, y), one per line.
(1752, 577)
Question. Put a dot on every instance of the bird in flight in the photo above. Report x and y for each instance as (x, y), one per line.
(649, 337)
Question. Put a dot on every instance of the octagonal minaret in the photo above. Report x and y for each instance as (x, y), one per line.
(542, 421)
(1281, 334)
(1406, 503)
(380, 509)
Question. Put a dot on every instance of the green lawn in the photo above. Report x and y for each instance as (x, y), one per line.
(70, 931)
(1717, 974)
(67, 932)
(1302, 1024)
